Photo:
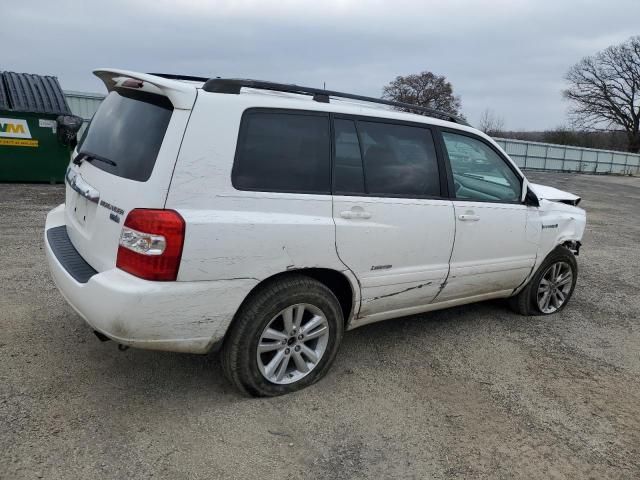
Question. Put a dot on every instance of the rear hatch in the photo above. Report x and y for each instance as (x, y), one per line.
(124, 160)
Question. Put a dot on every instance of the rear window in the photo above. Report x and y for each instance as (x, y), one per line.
(126, 132)
(283, 152)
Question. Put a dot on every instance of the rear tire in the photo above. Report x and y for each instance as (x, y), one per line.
(551, 288)
(284, 337)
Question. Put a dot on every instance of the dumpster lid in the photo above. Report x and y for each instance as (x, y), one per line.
(31, 93)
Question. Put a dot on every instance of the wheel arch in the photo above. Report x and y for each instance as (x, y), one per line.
(572, 246)
(343, 285)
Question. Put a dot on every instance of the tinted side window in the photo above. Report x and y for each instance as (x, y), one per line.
(348, 177)
(283, 152)
(399, 160)
(479, 173)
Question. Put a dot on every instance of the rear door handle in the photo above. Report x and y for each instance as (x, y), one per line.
(355, 212)
(469, 217)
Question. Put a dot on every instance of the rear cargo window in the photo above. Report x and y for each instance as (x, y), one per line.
(126, 132)
(283, 152)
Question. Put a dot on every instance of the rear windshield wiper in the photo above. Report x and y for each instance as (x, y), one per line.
(90, 157)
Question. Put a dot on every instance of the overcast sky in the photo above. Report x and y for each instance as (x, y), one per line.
(507, 55)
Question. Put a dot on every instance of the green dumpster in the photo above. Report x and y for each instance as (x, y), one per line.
(30, 150)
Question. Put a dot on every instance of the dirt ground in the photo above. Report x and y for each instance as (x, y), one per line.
(470, 392)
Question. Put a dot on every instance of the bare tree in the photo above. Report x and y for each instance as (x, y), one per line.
(491, 123)
(604, 91)
(425, 89)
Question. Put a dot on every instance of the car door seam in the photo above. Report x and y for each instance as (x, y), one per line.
(453, 244)
(356, 312)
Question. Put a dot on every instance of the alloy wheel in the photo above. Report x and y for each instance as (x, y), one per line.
(554, 287)
(293, 343)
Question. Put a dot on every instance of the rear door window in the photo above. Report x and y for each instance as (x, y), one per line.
(283, 152)
(390, 159)
(126, 133)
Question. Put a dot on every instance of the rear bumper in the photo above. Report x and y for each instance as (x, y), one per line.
(173, 316)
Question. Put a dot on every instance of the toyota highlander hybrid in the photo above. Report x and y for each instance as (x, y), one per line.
(265, 219)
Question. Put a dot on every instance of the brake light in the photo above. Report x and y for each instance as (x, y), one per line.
(132, 83)
(151, 244)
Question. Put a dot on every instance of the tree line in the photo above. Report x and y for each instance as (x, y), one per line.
(603, 93)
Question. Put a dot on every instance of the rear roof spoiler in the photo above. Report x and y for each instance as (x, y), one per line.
(181, 94)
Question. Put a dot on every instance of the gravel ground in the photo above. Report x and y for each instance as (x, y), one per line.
(470, 392)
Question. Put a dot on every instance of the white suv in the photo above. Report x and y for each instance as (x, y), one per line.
(266, 219)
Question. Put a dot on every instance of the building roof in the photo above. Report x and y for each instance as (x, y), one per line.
(31, 93)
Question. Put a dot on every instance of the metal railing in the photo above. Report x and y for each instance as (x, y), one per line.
(561, 158)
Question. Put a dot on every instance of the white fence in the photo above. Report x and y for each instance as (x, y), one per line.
(547, 156)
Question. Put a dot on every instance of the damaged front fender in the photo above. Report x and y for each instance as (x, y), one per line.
(553, 194)
(552, 224)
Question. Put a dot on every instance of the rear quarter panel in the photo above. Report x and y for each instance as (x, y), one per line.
(241, 234)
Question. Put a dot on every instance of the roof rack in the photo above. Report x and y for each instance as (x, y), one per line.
(173, 76)
(234, 85)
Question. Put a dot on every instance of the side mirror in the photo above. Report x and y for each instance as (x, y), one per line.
(530, 199)
(67, 129)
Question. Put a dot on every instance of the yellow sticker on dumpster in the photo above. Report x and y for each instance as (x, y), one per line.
(18, 142)
(14, 132)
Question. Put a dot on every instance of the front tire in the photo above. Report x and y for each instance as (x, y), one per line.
(551, 287)
(284, 337)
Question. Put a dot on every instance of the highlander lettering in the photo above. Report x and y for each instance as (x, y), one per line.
(113, 208)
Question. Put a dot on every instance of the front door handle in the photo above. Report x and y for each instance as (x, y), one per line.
(469, 217)
(355, 212)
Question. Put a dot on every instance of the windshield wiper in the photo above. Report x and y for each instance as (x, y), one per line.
(101, 159)
(90, 157)
(475, 175)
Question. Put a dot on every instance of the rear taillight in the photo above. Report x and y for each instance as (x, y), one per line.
(151, 244)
